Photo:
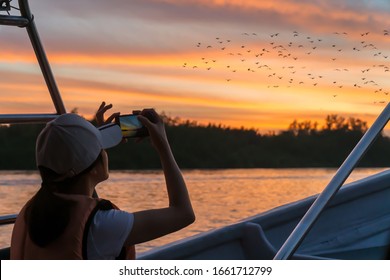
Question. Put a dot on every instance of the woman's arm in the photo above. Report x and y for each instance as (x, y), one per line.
(151, 224)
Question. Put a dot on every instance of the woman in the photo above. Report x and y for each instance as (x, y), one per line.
(64, 220)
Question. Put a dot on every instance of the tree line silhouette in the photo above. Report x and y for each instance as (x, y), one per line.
(302, 144)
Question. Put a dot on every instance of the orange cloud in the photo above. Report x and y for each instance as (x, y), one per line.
(205, 83)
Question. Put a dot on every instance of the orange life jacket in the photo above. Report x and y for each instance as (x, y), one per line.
(72, 243)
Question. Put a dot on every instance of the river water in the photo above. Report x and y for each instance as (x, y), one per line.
(219, 197)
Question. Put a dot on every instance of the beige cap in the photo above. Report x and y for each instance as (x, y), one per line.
(70, 144)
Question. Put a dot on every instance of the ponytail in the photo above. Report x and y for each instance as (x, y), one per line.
(47, 214)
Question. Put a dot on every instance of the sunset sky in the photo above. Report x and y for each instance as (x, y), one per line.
(257, 64)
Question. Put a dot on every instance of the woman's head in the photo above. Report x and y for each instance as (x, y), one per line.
(71, 158)
(70, 146)
(95, 173)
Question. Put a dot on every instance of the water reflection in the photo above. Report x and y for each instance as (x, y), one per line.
(219, 197)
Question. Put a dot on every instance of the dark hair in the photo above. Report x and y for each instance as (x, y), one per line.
(47, 214)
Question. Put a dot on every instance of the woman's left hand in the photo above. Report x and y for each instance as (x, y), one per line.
(99, 116)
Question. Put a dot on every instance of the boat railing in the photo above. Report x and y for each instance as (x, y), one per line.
(8, 219)
(306, 223)
(26, 20)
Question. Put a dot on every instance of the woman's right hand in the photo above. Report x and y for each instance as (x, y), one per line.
(156, 128)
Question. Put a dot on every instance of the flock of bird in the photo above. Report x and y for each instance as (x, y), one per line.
(339, 60)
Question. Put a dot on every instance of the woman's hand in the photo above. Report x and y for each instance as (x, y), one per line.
(155, 126)
(99, 116)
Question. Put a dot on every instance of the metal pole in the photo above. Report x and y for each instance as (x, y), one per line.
(26, 118)
(8, 219)
(42, 59)
(13, 21)
(308, 220)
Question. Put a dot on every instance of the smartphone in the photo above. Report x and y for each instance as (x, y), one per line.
(131, 127)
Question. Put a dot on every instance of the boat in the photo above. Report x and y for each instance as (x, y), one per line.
(349, 221)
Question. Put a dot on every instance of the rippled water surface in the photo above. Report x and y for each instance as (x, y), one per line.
(219, 197)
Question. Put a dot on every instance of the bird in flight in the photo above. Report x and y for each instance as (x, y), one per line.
(282, 59)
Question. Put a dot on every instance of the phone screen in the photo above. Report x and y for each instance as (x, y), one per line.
(131, 126)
